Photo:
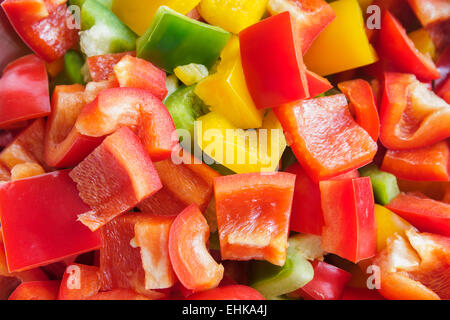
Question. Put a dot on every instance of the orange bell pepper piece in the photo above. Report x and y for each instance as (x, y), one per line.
(429, 163)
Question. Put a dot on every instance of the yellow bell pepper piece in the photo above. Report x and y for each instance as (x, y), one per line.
(226, 91)
(241, 151)
(343, 44)
(423, 42)
(232, 15)
(364, 4)
(191, 73)
(388, 224)
(138, 14)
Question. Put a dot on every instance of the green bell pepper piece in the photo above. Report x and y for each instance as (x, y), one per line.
(174, 40)
(185, 107)
(274, 281)
(73, 62)
(103, 32)
(384, 184)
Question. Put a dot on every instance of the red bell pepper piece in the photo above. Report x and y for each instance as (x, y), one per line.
(328, 283)
(36, 290)
(411, 115)
(138, 271)
(28, 146)
(273, 67)
(189, 182)
(309, 18)
(415, 268)
(119, 294)
(307, 216)
(253, 212)
(64, 145)
(430, 11)
(138, 108)
(13, 47)
(446, 197)
(79, 282)
(42, 26)
(46, 223)
(102, 66)
(362, 104)
(442, 85)
(426, 164)
(114, 178)
(361, 294)
(395, 46)
(138, 73)
(348, 209)
(24, 91)
(424, 213)
(317, 84)
(191, 260)
(324, 137)
(231, 292)
(443, 65)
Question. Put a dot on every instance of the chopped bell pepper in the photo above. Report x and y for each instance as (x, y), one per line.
(253, 212)
(273, 281)
(191, 73)
(226, 91)
(273, 66)
(191, 260)
(230, 292)
(404, 97)
(328, 283)
(363, 105)
(343, 44)
(309, 18)
(73, 62)
(425, 164)
(120, 294)
(138, 14)
(42, 27)
(175, 40)
(432, 189)
(430, 11)
(64, 145)
(415, 267)
(26, 170)
(101, 66)
(102, 31)
(384, 184)
(27, 147)
(239, 150)
(126, 236)
(24, 92)
(317, 85)
(424, 213)
(395, 46)
(388, 224)
(343, 146)
(79, 282)
(423, 42)
(232, 15)
(350, 227)
(307, 216)
(185, 107)
(46, 223)
(36, 290)
(114, 178)
(137, 73)
(186, 182)
(139, 109)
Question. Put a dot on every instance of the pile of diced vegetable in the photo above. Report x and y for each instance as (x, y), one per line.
(224, 149)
